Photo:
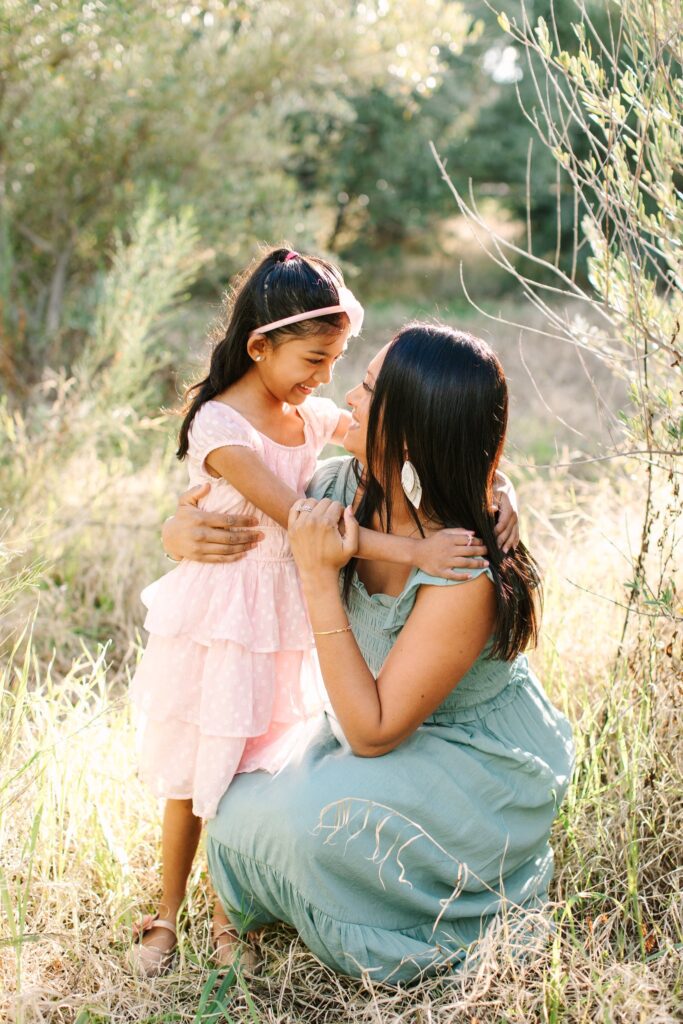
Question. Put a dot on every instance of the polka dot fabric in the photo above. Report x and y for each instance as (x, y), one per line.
(228, 681)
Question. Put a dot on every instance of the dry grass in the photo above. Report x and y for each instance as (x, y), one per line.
(79, 835)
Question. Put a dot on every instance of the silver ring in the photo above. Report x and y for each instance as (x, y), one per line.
(469, 540)
(305, 508)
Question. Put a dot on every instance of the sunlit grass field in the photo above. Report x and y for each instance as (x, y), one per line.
(79, 835)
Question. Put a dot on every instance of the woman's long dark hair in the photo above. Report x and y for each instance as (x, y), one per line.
(272, 288)
(441, 396)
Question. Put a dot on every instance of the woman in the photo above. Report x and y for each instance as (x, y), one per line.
(424, 806)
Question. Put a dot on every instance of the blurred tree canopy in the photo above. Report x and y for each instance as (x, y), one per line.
(479, 115)
(101, 101)
(271, 120)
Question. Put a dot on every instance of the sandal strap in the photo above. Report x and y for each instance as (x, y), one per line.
(151, 921)
(230, 933)
(161, 922)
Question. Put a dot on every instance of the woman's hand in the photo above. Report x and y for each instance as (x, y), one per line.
(323, 535)
(507, 527)
(207, 536)
(447, 552)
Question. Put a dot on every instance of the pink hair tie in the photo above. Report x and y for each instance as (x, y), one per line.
(290, 256)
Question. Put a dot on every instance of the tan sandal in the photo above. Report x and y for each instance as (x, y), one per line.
(146, 960)
(236, 953)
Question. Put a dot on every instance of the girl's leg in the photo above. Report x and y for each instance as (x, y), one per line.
(180, 837)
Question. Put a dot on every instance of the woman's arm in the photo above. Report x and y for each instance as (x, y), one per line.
(207, 536)
(203, 536)
(445, 633)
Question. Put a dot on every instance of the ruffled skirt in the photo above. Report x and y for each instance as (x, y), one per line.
(214, 692)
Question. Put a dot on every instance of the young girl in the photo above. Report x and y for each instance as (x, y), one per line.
(227, 682)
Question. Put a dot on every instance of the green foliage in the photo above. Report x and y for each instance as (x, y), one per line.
(15, 578)
(124, 351)
(282, 119)
(624, 97)
(376, 167)
(480, 112)
(82, 435)
(118, 380)
(503, 152)
(102, 101)
(378, 170)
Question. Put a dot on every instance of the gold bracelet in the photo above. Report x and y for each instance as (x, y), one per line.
(329, 632)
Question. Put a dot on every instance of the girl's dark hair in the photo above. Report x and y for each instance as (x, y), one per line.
(270, 289)
(441, 396)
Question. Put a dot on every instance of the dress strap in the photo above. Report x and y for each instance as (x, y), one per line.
(403, 605)
(335, 479)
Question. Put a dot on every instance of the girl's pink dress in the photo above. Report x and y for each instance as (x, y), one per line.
(228, 681)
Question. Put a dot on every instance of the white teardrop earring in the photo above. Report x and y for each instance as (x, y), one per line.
(410, 482)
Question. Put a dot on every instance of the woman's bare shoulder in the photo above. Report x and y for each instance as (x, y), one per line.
(462, 609)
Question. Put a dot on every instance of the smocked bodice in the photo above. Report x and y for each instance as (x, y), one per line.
(376, 621)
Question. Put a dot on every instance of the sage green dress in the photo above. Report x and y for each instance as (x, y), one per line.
(395, 865)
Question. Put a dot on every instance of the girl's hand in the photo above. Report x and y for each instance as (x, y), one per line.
(448, 551)
(507, 527)
(318, 544)
(207, 536)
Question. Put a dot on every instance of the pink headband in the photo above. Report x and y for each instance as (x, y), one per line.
(348, 303)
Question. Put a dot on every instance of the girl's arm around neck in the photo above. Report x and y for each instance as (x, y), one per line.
(445, 633)
(451, 553)
(246, 471)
